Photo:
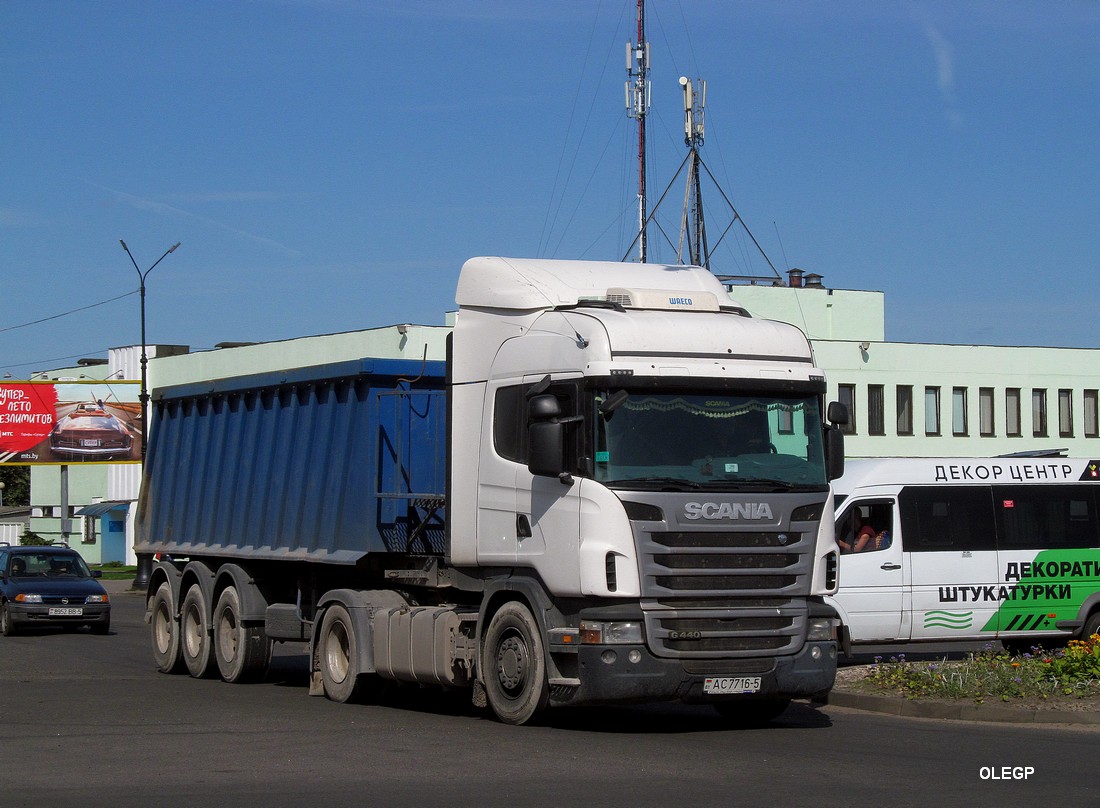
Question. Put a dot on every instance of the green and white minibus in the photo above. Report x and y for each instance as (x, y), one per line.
(1001, 548)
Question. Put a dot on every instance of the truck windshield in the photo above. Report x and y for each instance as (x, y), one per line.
(679, 440)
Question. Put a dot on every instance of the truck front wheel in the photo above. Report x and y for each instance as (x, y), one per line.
(164, 631)
(195, 634)
(514, 665)
(243, 652)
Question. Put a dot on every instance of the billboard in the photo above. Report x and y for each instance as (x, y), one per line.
(69, 422)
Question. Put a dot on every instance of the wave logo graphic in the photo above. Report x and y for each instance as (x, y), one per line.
(956, 621)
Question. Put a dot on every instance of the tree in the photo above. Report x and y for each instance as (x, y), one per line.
(17, 485)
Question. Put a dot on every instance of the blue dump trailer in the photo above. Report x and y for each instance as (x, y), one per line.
(615, 488)
(323, 464)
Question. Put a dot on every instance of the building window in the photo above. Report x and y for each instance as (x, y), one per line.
(846, 395)
(1092, 425)
(985, 412)
(1012, 412)
(1065, 413)
(876, 409)
(931, 410)
(958, 411)
(785, 422)
(1039, 413)
(905, 409)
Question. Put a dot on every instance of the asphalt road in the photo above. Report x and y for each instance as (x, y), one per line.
(87, 721)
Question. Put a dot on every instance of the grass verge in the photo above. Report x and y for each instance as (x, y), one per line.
(991, 674)
(115, 570)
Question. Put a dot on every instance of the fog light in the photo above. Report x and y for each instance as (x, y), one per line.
(815, 652)
(609, 657)
(635, 656)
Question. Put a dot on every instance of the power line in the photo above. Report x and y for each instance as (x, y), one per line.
(67, 313)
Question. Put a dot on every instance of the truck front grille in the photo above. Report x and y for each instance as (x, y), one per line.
(725, 593)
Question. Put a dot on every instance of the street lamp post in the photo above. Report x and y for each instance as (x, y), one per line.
(145, 562)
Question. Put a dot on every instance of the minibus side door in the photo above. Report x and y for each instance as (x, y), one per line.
(950, 541)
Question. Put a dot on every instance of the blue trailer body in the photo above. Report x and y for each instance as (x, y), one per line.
(326, 463)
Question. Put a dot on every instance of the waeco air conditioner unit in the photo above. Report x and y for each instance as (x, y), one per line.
(663, 299)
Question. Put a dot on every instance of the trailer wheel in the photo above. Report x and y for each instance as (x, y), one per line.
(243, 652)
(195, 644)
(164, 631)
(338, 655)
(514, 665)
(751, 712)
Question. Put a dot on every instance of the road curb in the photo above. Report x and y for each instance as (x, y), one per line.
(959, 711)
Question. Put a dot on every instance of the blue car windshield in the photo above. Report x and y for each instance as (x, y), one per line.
(718, 441)
(48, 565)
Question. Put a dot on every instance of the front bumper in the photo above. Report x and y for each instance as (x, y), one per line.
(38, 614)
(630, 673)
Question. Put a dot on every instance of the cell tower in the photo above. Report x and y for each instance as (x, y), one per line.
(637, 105)
(693, 230)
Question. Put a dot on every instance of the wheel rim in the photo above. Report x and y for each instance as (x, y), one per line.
(227, 635)
(513, 660)
(337, 652)
(192, 632)
(162, 628)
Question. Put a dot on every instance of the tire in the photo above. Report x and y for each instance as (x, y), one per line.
(7, 625)
(195, 644)
(1092, 626)
(242, 652)
(751, 712)
(164, 631)
(338, 656)
(514, 665)
(101, 626)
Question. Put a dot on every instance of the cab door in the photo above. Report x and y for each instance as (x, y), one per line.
(548, 508)
(872, 581)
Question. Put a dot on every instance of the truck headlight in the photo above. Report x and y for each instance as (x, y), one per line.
(821, 629)
(611, 633)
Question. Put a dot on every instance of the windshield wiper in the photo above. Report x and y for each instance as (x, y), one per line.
(678, 483)
(760, 483)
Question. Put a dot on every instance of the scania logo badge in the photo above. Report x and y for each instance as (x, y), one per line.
(728, 510)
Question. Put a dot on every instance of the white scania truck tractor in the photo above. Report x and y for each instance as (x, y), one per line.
(615, 488)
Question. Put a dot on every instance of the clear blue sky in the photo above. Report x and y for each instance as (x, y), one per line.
(329, 164)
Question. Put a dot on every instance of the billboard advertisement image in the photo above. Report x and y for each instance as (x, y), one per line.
(69, 422)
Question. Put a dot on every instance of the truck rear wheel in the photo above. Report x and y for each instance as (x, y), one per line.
(242, 652)
(164, 631)
(514, 665)
(195, 644)
(338, 655)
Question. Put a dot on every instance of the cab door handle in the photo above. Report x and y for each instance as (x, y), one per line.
(523, 526)
(889, 566)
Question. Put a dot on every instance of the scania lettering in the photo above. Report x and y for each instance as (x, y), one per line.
(728, 510)
(1001, 548)
(600, 495)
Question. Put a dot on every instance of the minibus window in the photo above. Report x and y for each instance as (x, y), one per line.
(947, 518)
(1039, 517)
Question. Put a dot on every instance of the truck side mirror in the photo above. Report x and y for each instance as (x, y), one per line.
(834, 440)
(545, 437)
